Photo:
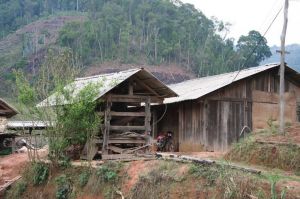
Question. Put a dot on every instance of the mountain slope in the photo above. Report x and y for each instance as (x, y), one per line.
(152, 33)
(292, 59)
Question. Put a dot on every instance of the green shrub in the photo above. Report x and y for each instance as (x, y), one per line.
(84, 178)
(64, 188)
(40, 173)
(107, 174)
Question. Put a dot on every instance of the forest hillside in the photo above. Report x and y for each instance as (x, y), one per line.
(162, 34)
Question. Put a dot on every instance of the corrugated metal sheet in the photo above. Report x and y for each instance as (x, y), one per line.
(108, 82)
(196, 88)
(27, 124)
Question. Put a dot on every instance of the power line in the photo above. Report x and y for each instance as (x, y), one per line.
(249, 56)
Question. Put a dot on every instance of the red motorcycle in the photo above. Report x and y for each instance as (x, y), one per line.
(165, 142)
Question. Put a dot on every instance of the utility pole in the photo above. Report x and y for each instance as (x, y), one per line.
(282, 65)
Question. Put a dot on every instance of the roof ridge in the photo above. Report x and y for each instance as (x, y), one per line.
(222, 74)
(106, 74)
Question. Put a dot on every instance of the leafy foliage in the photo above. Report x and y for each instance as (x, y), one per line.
(256, 43)
(40, 173)
(73, 123)
(64, 188)
(84, 178)
(107, 174)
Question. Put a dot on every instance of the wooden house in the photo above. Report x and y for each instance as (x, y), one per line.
(210, 112)
(125, 106)
(6, 111)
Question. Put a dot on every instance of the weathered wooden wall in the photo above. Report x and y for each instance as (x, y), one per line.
(214, 121)
(3, 123)
(211, 124)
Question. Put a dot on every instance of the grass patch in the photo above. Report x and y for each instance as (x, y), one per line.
(17, 190)
(286, 157)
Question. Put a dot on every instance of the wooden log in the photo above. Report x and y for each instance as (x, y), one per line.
(115, 149)
(205, 161)
(245, 169)
(116, 156)
(136, 149)
(123, 141)
(127, 128)
(187, 158)
(8, 183)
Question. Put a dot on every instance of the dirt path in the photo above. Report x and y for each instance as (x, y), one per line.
(11, 166)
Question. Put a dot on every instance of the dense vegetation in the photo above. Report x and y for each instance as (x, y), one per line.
(151, 32)
(160, 32)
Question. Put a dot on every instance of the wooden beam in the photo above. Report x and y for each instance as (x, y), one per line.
(128, 100)
(148, 115)
(130, 87)
(5, 111)
(127, 128)
(128, 96)
(125, 114)
(134, 98)
(122, 141)
(107, 118)
(115, 149)
(146, 87)
(8, 183)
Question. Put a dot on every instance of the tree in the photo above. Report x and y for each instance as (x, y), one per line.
(253, 49)
(72, 124)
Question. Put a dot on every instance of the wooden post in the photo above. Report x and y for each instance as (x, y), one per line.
(107, 118)
(282, 65)
(147, 115)
(154, 124)
(130, 88)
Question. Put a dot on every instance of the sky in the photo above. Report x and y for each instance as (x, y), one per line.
(246, 15)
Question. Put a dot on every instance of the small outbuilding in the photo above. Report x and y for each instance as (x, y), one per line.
(6, 111)
(126, 99)
(211, 112)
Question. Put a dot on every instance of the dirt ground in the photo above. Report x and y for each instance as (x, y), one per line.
(11, 166)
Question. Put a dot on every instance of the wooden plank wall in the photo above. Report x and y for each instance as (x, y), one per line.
(211, 125)
(214, 121)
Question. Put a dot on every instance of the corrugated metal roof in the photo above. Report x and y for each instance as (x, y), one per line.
(27, 124)
(108, 82)
(196, 88)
